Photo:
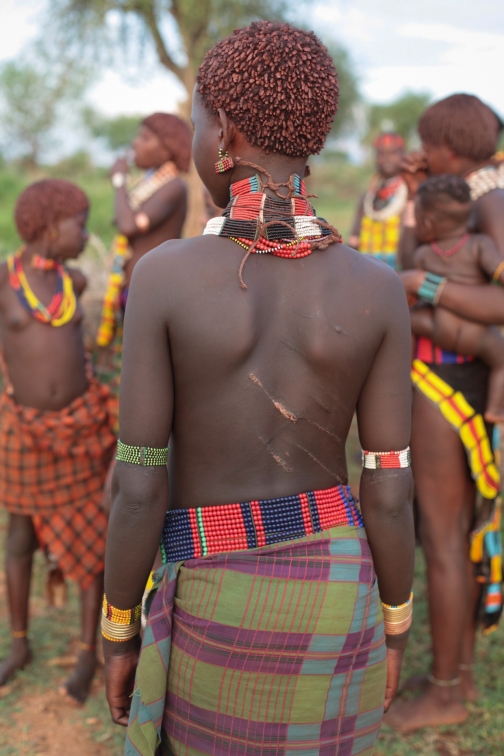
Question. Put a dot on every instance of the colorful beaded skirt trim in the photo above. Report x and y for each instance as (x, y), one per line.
(191, 533)
(427, 352)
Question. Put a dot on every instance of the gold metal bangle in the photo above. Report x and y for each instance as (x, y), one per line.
(397, 628)
(115, 632)
(398, 613)
(399, 606)
(390, 616)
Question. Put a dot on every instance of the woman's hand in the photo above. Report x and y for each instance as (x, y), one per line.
(412, 280)
(414, 171)
(394, 664)
(120, 669)
(120, 166)
(396, 645)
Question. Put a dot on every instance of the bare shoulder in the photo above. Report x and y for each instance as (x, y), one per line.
(488, 205)
(163, 262)
(377, 281)
(175, 189)
(79, 280)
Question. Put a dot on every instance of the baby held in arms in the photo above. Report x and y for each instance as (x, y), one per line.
(450, 252)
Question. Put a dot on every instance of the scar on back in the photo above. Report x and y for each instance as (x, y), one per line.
(283, 410)
(278, 459)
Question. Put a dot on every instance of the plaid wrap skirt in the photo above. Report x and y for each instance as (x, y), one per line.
(53, 467)
(272, 651)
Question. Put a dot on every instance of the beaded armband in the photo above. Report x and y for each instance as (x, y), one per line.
(386, 460)
(146, 456)
(431, 288)
(398, 619)
(120, 624)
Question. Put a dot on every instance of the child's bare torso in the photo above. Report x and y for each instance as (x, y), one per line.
(462, 267)
(45, 365)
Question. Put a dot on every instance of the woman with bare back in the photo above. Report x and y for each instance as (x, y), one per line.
(277, 623)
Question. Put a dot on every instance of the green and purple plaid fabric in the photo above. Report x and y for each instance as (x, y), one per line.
(274, 651)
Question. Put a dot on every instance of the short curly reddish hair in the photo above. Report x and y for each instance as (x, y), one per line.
(45, 203)
(175, 135)
(277, 83)
(463, 123)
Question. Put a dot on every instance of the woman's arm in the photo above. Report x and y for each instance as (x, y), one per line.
(157, 209)
(384, 419)
(414, 172)
(353, 240)
(140, 494)
(154, 211)
(408, 243)
(481, 304)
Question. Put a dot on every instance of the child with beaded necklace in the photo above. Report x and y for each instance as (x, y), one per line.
(55, 420)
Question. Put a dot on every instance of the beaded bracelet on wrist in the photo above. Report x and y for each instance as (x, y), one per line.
(386, 460)
(431, 288)
(121, 616)
(120, 624)
(146, 456)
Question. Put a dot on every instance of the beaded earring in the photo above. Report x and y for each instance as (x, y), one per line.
(225, 163)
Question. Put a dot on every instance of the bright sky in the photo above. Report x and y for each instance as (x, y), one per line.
(441, 46)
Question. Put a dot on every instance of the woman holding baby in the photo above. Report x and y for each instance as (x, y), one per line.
(456, 476)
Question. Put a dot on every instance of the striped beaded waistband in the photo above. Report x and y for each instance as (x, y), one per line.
(191, 533)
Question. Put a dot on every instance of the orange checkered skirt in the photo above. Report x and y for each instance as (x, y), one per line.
(53, 467)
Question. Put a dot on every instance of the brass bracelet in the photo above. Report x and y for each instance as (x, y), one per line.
(119, 633)
(397, 628)
(398, 613)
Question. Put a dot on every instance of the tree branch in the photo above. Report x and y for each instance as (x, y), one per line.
(149, 16)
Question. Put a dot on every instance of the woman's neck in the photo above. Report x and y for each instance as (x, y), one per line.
(272, 168)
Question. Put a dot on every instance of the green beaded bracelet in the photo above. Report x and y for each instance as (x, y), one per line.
(146, 456)
(431, 288)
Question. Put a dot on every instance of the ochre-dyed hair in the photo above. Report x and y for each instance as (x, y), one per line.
(464, 124)
(277, 83)
(45, 203)
(175, 136)
(389, 139)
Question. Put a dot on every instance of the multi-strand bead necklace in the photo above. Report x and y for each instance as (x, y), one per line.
(63, 304)
(272, 225)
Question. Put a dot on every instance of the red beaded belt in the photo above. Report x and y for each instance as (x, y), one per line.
(190, 533)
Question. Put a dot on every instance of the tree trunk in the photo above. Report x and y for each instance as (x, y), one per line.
(196, 213)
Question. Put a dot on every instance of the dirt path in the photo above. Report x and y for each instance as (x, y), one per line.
(47, 724)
